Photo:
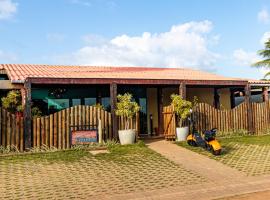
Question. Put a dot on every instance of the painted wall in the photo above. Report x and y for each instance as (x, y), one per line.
(167, 95)
(205, 95)
(225, 98)
(152, 107)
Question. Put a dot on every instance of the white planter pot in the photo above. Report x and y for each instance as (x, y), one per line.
(182, 133)
(127, 136)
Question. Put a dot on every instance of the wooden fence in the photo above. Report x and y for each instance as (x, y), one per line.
(260, 113)
(11, 130)
(54, 130)
(226, 121)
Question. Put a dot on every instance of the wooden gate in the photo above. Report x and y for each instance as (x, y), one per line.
(11, 130)
(169, 122)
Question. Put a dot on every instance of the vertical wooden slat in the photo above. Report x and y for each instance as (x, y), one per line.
(87, 115)
(4, 129)
(106, 125)
(17, 132)
(13, 129)
(55, 129)
(21, 134)
(1, 119)
(59, 130)
(76, 117)
(35, 131)
(68, 111)
(63, 113)
(51, 130)
(38, 132)
(91, 115)
(79, 115)
(8, 129)
(42, 130)
(83, 115)
(110, 125)
(47, 131)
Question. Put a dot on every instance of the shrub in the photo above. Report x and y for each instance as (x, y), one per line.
(13, 101)
(181, 107)
(126, 108)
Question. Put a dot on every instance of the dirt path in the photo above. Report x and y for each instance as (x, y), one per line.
(250, 196)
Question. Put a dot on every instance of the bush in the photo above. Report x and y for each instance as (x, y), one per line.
(126, 108)
(181, 107)
(13, 101)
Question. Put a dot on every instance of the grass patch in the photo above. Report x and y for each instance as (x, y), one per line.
(226, 144)
(248, 154)
(117, 153)
(57, 156)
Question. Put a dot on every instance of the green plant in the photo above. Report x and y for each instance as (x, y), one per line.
(100, 106)
(126, 108)
(13, 101)
(182, 108)
(36, 112)
(265, 53)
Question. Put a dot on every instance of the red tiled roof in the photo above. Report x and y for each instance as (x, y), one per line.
(19, 72)
(259, 82)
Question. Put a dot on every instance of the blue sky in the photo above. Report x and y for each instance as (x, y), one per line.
(218, 36)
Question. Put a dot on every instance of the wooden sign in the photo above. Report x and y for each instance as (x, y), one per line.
(84, 136)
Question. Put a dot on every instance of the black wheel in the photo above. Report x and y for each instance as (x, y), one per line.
(215, 152)
(192, 143)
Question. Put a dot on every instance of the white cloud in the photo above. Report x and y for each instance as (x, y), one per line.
(263, 16)
(244, 58)
(184, 45)
(7, 9)
(265, 38)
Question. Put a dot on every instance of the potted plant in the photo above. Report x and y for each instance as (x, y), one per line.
(13, 103)
(127, 109)
(182, 108)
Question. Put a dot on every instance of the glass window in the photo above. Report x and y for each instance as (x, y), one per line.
(89, 101)
(57, 104)
(76, 102)
(105, 102)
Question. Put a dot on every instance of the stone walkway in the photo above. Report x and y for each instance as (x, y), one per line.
(223, 180)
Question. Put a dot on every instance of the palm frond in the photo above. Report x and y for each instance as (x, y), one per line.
(265, 53)
(266, 75)
(263, 63)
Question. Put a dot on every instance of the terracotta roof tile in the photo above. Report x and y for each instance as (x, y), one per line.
(19, 72)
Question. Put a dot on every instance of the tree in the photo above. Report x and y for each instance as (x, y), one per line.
(126, 108)
(265, 53)
(182, 108)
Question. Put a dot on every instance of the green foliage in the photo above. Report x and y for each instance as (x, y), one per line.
(36, 112)
(126, 108)
(13, 101)
(265, 53)
(181, 107)
(100, 106)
